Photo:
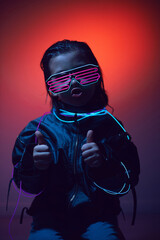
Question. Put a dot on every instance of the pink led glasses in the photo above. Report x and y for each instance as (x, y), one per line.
(85, 75)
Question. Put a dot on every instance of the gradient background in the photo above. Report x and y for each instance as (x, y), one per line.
(125, 38)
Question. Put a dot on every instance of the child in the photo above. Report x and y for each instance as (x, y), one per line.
(82, 159)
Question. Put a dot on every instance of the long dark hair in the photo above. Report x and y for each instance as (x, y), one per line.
(65, 46)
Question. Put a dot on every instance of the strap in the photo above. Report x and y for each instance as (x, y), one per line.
(22, 214)
(134, 205)
(9, 188)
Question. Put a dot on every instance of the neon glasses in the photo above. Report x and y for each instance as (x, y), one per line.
(85, 75)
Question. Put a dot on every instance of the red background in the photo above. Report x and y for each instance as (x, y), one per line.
(124, 36)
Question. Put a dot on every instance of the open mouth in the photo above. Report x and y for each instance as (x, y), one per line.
(76, 92)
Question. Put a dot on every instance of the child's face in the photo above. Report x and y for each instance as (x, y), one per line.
(77, 95)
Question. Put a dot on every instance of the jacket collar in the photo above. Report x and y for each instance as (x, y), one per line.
(70, 117)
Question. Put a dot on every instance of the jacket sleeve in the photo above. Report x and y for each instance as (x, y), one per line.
(120, 169)
(33, 180)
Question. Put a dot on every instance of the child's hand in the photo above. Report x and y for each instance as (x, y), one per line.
(91, 152)
(41, 153)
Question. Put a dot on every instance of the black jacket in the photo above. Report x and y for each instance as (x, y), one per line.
(68, 184)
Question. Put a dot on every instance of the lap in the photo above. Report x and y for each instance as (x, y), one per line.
(98, 230)
(46, 233)
(103, 231)
(72, 228)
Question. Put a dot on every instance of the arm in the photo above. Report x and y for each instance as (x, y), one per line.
(26, 165)
(118, 167)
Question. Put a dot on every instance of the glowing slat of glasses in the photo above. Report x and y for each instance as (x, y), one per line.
(61, 85)
(88, 78)
(84, 77)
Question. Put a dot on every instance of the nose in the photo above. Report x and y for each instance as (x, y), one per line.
(74, 81)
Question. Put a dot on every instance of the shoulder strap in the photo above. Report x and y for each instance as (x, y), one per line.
(9, 188)
(134, 205)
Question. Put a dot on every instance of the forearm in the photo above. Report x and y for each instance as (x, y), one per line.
(120, 167)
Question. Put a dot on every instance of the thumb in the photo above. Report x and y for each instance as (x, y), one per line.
(90, 136)
(40, 138)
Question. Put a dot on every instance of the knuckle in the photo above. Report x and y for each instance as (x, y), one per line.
(83, 146)
(35, 148)
(46, 147)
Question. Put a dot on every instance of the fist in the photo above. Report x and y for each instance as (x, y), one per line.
(91, 152)
(41, 153)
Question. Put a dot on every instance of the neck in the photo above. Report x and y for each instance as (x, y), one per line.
(76, 109)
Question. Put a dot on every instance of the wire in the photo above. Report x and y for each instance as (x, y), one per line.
(9, 227)
(24, 193)
(20, 189)
(92, 114)
(80, 115)
(121, 191)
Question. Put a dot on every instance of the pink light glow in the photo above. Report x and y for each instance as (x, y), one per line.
(92, 78)
(85, 77)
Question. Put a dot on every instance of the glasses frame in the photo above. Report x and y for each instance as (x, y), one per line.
(69, 73)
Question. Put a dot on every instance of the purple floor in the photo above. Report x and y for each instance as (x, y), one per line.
(147, 227)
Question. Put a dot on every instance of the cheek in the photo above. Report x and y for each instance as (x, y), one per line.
(89, 90)
(62, 96)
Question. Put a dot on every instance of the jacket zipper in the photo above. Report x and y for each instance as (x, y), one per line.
(74, 165)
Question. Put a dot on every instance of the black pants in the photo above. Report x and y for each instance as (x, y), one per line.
(74, 227)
